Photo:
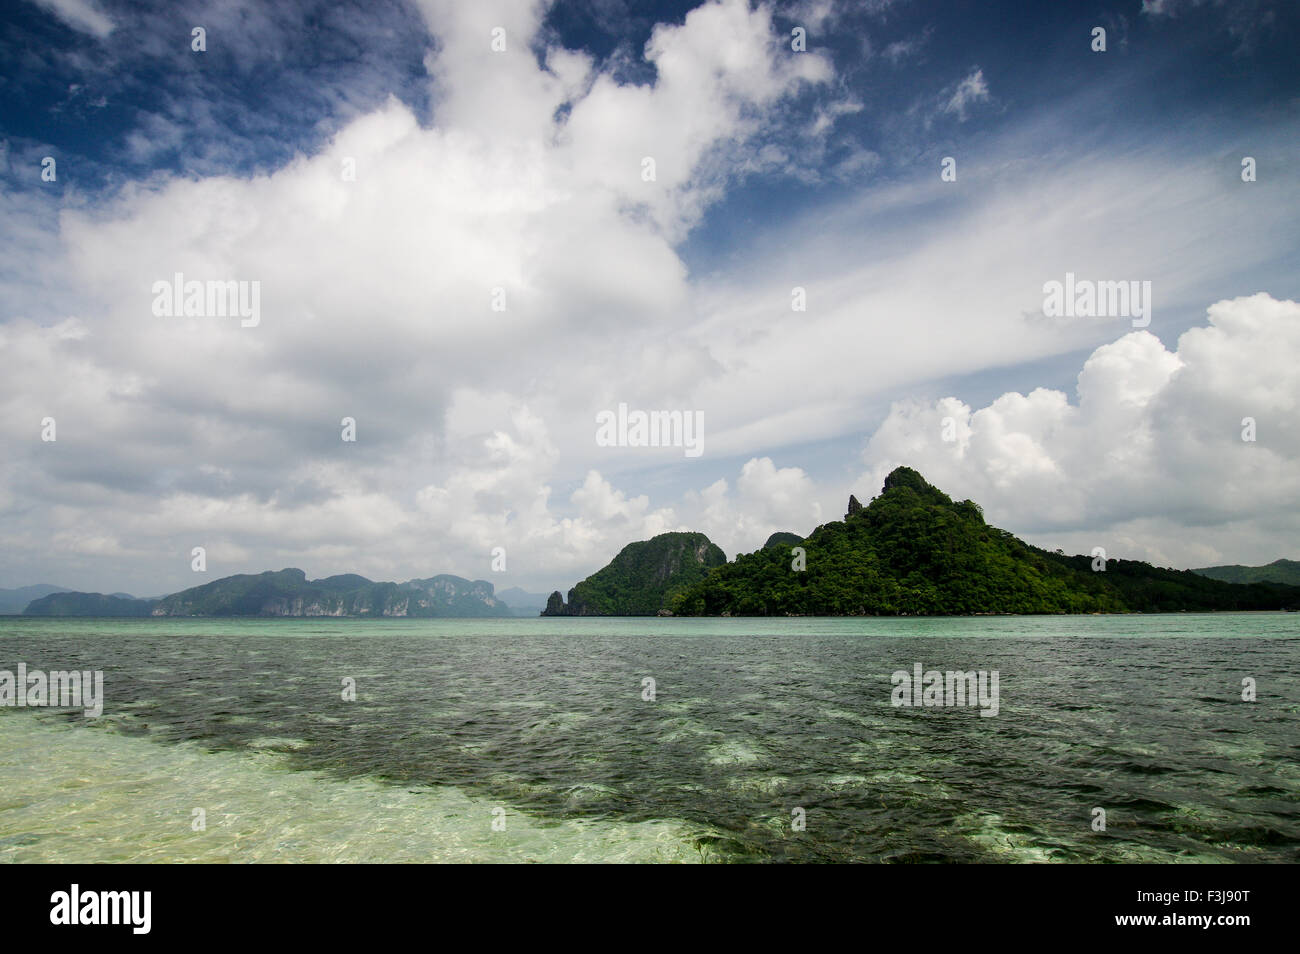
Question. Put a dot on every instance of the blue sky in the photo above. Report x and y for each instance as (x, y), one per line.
(296, 71)
(779, 169)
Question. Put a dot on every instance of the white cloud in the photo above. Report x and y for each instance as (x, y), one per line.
(80, 15)
(973, 89)
(900, 50)
(1149, 461)
(766, 499)
(376, 305)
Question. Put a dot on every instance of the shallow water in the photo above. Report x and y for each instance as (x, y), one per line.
(540, 725)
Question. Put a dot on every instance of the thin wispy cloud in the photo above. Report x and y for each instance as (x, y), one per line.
(973, 89)
(81, 15)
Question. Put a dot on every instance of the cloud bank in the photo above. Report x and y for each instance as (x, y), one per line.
(473, 290)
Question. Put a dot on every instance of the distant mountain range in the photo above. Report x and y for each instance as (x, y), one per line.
(521, 602)
(289, 593)
(88, 604)
(911, 551)
(1279, 571)
(15, 601)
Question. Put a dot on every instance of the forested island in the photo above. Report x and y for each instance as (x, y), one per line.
(911, 551)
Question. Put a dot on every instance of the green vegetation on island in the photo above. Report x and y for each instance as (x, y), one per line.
(87, 604)
(643, 579)
(911, 551)
(1279, 571)
(783, 538)
(13, 602)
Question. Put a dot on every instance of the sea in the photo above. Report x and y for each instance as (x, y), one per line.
(1129, 738)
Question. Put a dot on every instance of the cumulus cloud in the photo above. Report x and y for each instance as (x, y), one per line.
(377, 298)
(766, 499)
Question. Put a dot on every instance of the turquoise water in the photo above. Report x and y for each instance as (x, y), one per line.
(530, 740)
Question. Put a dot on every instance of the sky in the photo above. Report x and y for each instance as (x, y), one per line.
(474, 227)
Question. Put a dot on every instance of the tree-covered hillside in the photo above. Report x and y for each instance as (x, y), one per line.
(915, 551)
(1279, 571)
(87, 604)
(642, 579)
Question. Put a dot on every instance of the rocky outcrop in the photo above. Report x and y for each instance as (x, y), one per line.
(642, 579)
(554, 605)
